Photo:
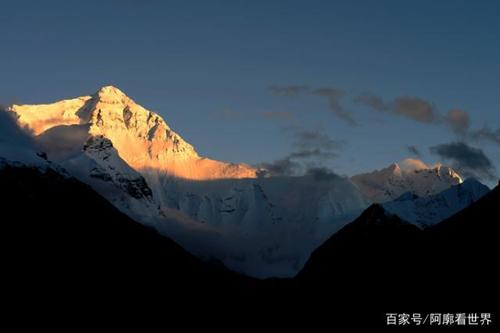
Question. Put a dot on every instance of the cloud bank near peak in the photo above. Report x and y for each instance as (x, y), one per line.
(469, 161)
(311, 149)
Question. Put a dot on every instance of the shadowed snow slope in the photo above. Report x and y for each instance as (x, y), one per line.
(426, 211)
(65, 240)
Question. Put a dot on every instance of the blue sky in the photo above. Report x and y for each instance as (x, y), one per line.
(208, 67)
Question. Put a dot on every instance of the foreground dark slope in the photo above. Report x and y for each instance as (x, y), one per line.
(64, 238)
(389, 265)
(67, 243)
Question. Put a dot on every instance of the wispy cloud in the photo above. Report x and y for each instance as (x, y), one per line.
(414, 108)
(372, 101)
(414, 150)
(470, 161)
(486, 134)
(307, 139)
(334, 96)
(423, 111)
(311, 149)
(281, 167)
(315, 153)
(458, 120)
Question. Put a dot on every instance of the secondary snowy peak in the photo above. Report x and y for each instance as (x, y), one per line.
(141, 137)
(408, 176)
(426, 211)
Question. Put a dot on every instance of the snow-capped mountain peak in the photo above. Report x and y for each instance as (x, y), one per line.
(142, 138)
(112, 95)
(394, 169)
(407, 176)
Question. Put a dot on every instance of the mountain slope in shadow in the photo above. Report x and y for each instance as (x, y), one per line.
(66, 240)
(380, 263)
(67, 243)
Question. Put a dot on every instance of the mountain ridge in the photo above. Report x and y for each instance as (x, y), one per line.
(259, 226)
(429, 210)
(391, 264)
(391, 182)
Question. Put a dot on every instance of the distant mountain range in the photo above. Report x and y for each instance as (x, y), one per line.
(263, 227)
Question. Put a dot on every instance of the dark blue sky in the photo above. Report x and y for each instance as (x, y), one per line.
(209, 67)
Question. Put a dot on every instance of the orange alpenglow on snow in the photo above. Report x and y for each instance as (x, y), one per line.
(142, 137)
